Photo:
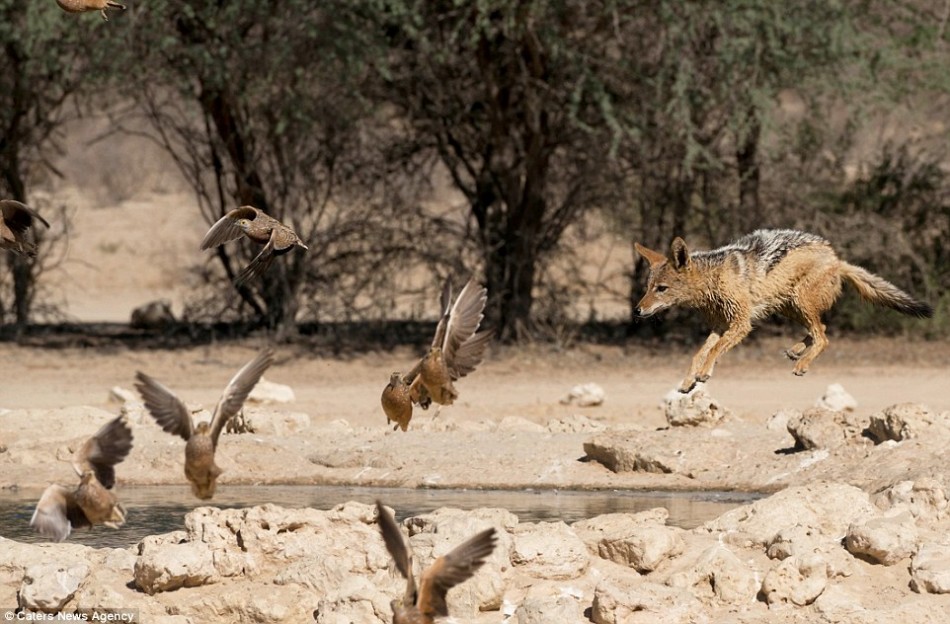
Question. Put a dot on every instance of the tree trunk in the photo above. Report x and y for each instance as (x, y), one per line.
(747, 163)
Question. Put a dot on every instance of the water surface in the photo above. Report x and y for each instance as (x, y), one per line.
(160, 509)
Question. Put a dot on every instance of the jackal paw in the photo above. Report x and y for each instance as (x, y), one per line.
(799, 372)
(690, 383)
(792, 354)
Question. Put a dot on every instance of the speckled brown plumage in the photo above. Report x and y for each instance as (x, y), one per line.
(261, 228)
(422, 604)
(84, 6)
(60, 509)
(16, 219)
(202, 439)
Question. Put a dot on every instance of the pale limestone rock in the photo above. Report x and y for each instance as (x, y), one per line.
(549, 550)
(886, 540)
(718, 569)
(584, 395)
(802, 540)
(693, 408)
(819, 428)
(641, 541)
(837, 399)
(930, 569)
(902, 422)
(269, 392)
(779, 420)
(830, 508)
(924, 498)
(796, 580)
(268, 422)
(644, 603)
(165, 567)
(546, 603)
(357, 599)
(47, 587)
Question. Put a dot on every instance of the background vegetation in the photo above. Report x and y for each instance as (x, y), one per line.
(559, 126)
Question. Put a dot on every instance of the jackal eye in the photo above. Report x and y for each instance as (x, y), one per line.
(661, 288)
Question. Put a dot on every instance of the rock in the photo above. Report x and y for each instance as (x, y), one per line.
(584, 395)
(930, 569)
(153, 315)
(47, 587)
(837, 399)
(358, 599)
(268, 422)
(121, 395)
(796, 580)
(631, 455)
(718, 569)
(644, 603)
(779, 420)
(886, 540)
(925, 498)
(640, 541)
(693, 408)
(819, 428)
(163, 566)
(549, 550)
(802, 540)
(269, 392)
(830, 508)
(900, 422)
(545, 604)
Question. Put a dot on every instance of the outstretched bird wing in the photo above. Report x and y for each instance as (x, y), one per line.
(18, 216)
(226, 228)
(462, 321)
(166, 408)
(397, 548)
(100, 453)
(57, 513)
(449, 570)
(237, 390)
(259, 264)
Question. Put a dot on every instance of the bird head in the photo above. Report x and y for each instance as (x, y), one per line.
(244, 224)
(203, 428)
(395, 379)
(87, 476)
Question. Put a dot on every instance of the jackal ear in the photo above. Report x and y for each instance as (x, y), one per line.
(679, 254)
(653, 257)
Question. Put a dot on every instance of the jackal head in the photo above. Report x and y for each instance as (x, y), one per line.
(669, 282)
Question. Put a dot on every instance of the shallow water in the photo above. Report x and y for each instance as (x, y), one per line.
(160, 509)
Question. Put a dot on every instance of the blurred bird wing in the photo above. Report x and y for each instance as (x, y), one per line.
(463, 320)
(469, 354)
(237, 390)
(258, 265)
(57, 513)
(166, 408)
(445, 303)
(109, 446)
(397, 548)
(18, 216)
(453, 568)
(226, 228)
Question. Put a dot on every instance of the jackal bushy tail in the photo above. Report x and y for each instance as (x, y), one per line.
(879, 291)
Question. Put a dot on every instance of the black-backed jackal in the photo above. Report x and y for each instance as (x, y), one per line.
(787, 272)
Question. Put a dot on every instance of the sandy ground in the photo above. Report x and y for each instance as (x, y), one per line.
(503, 432)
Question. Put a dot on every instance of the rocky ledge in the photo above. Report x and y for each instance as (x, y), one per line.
(824, 552)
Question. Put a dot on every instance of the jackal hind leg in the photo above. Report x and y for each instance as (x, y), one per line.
(798, 349)
(816, 331)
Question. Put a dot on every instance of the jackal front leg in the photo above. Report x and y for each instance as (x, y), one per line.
(729, 338)
(698, 360)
